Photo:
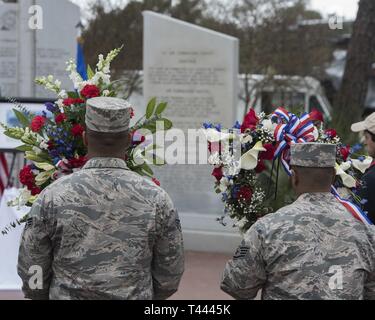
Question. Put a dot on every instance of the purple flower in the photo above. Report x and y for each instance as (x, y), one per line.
(237, 125)
(51, 107)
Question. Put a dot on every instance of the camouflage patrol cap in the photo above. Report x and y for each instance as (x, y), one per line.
(105, 114)
(313, 155)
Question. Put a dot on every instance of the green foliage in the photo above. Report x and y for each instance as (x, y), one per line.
(90, 72)
(150, 108)
(22, 118)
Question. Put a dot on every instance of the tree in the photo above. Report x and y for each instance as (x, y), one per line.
(352, 94)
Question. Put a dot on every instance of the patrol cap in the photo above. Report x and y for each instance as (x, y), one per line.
(313, 155)
(106, 114)
(367, 124)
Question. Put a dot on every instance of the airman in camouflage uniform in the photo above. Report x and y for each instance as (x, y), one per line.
(313, 249)
(103, 232)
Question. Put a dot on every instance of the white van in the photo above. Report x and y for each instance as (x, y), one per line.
(265, 93)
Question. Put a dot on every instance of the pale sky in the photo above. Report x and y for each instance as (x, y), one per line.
(345, 8)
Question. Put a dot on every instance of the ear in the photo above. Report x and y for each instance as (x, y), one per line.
(85, 141)
(333, 176)
(294, 178)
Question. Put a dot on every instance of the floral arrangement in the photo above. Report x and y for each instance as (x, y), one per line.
(267, 138)
(53, 141)
(236, 173)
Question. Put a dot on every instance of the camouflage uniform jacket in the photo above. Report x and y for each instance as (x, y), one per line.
(313, 249)
(103, 233)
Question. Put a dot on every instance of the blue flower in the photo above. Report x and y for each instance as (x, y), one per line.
(235, 191)
(364, 201)
(237, 125)
(357, 147)
(51, 107)
(218, 127)
(225, 197)
(207, 125)
(362, 158)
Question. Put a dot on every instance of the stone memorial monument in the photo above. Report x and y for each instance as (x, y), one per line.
(195, 70)
(35, 40)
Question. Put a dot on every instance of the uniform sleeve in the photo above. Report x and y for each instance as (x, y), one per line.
(35, 254)
(168, 259)
(245, 274)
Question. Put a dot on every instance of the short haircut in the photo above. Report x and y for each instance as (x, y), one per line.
(108, 140)
(315, 177)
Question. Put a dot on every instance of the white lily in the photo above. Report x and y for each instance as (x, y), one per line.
(347, 179)
(362, 165)
(269, 125)
(224, 184)
(212, 135)
(249, 160)
(246, 139)
(315, 133)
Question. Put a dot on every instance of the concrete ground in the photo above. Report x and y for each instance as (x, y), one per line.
(201, 280)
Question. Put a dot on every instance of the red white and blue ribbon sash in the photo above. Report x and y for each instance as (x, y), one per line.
(290, 130)
(352, 208)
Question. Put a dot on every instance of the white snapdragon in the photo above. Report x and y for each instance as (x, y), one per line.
(22, 199)
(74, 75)
(105, 78)
(60, 104)
(37, 150)
(214, 159)
(41, 142)
(63, 94)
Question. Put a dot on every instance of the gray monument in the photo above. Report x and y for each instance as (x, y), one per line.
(35, 40)
(195, 70)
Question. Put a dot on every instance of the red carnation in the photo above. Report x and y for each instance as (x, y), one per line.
(69, 101)
(61, 117)
(331, 133)
(156, 181)
(77, 130)
(37, 123)
(245, 194)
(218, 173)
(250, 122)
(269, 154)
(261, 167)
(316, 115)
(26, 176)
(77, 162)
(137, 138)
(35, 190)
(50, 144)
(345, 152)
(132, 114)
(90, 91)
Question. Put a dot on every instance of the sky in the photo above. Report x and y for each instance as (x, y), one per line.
(345, 8)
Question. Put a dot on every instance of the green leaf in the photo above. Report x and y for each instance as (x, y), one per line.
(24, 148)
(90, 72)
(150, 108)
(24, 120)
(161, 108)
(151, 126)
(73, 95)
(168, 124)
(146, 168)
